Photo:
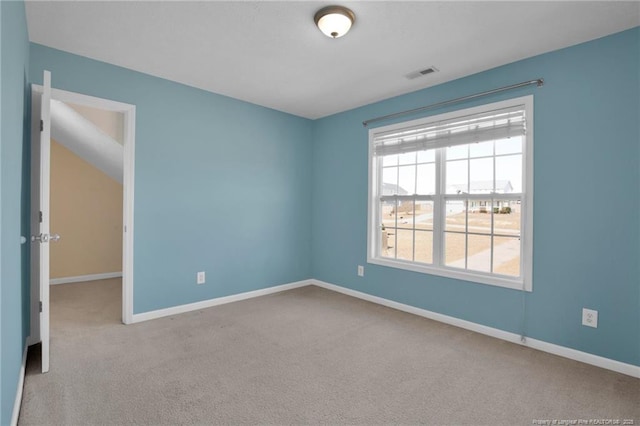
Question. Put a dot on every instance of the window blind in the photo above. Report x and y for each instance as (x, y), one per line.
(492, 125)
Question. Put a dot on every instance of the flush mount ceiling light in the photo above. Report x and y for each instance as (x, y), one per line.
(334, 21)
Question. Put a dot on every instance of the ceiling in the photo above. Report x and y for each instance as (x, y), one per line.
(271, 53)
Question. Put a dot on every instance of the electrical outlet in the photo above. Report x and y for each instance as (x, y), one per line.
(589, 317)
(200, 278)
(360, 271)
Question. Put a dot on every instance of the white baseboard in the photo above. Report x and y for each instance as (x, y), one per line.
(174, 310)
(587, 358)
(81, 278)
(18, 401)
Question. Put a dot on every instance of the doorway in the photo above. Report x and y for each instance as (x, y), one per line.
(127, 112)
(85, 208)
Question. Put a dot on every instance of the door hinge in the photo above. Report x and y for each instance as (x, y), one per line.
(41, 125)
(40, 217)
(41, 306)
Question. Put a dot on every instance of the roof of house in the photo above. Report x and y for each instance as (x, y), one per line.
(483, 186)
(393, 189)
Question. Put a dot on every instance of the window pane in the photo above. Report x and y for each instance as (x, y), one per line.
(456, 152)
(484, 149)
(424, 247)
(389, 216)
(481, 176)
(506, 218)
(506, 256)
(455, 216)
(454, 249)
(390, 181)
(509, 174)
(388, 229)
(479, 253)
(424, 215)
(426, 179)
(405, 214)
(390, 160)
(509, 146)
(388, 242)
(407, 180)
(407, 158)
(479, 218)
(457, 177)
(427, 156)
(405, 244)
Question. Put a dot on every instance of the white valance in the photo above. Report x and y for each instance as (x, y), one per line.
(492, 125)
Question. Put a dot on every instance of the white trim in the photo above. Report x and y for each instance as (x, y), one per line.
(180, 309)
(86, 100)
(128, 188)
(129, 112)
(18, 401)
(526, 257)
(81, 278)
(445, 271)
(587, 358)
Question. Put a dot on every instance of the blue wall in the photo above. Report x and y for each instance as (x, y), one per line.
(14, 194)
(221, 185)
(586, 224)
(257, 198)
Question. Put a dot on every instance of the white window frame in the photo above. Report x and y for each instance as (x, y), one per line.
(525, 280)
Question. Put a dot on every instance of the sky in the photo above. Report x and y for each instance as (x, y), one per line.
(415, 172)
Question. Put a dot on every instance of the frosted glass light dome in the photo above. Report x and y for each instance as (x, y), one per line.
(334, 21)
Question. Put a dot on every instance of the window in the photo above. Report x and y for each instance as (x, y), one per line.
(451, 195)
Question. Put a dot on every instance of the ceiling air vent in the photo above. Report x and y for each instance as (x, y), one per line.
(420, 73)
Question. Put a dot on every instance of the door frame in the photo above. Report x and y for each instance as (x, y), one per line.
(129, 125)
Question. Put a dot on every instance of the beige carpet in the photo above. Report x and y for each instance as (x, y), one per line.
(305, 356)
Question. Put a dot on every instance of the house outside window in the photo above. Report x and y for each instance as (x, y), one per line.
(451, 195)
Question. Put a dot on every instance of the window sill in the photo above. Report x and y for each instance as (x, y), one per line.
(479, 278)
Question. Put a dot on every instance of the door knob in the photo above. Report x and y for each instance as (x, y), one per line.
(45, 238)
(42, 238)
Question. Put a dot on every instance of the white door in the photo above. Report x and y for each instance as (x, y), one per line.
(40, 181)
